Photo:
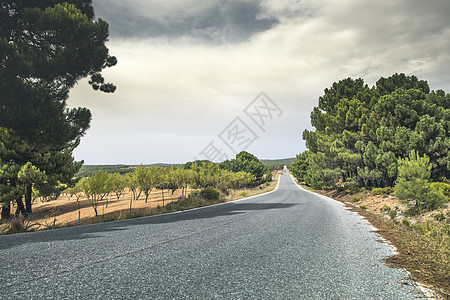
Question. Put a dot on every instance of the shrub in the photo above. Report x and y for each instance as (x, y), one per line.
(267, 183)
(363, 206)
(439, 216)
(413, 211)
(405, 222)
(382, 191)
(243, 194)
(413, 182)
(392, 214)
(386, 208)
(194, 194)
(377, 191)
(351, 186)
(224, 190)
(210, 193)
(442, 188)
(356, 199)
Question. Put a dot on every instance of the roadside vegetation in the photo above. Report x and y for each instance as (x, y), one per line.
(385, 152)
(198, 183)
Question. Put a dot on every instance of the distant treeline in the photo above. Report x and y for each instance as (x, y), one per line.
(278, 164)
(89, 170)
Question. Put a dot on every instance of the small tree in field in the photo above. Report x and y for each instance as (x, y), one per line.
(96, 188)
(118, 184)
(146, 179)
(413, 183)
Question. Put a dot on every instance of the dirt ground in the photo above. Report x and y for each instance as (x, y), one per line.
(375, 203)
(66, 210)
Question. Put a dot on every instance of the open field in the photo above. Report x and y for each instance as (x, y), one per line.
(67, 211)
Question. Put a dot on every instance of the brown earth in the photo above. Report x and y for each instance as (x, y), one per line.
(67, 211)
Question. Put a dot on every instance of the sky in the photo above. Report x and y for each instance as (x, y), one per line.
(207, 79)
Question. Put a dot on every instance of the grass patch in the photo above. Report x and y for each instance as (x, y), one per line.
(243, 194)
(356, 199)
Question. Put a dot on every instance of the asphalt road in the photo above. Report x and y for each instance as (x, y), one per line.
(287, 244)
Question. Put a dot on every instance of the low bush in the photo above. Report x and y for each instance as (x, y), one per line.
(405, 222)
(439, 216)
(442, 188)
(386, 208)
(210, 193)
(363, 207)
(392, 214)
(382, 191)
(243, 194)
(224, 189)
(356, 199)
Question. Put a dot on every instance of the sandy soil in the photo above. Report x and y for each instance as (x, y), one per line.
(66, 210)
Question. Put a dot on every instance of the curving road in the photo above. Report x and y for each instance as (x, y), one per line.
(286, 244)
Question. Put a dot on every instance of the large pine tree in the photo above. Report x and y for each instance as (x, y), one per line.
(46, 47)
(361, 132)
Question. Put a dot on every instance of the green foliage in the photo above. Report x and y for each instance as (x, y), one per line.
(356, 199)
(392, 214)
(405, 222)
(96, 188)
(413, 182)
(442, 188)
(361, 132)
(89, 170)
(439, 231)
(205, 174)
(300, 166)
(386, 208)
(246, 162)
(118, 184)
(363, 206)
(210, 193)
(146, 178)
(46, 47)
(439, 216)
(382, 191)
(278, 164)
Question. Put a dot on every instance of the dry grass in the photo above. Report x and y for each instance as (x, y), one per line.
(425, 257)
(67, 211)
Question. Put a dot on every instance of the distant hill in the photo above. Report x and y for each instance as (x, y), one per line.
(89, 170)
(284, 161)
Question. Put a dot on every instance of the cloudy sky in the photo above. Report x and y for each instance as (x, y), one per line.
(191, 72)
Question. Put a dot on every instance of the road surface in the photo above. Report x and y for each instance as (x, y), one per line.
(286, 244)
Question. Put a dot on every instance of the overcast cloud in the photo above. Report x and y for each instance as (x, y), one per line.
(187, 69)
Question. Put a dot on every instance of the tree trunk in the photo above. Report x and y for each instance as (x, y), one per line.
(6, 210)
(131, 203)
(20, 207)
(28, 198)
